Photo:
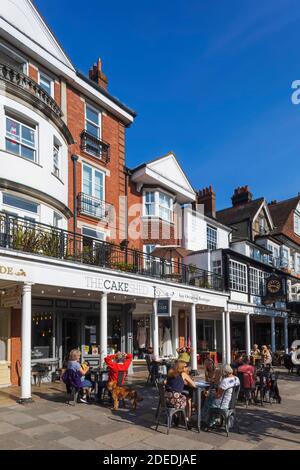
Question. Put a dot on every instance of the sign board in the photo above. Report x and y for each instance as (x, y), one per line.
(164, 307)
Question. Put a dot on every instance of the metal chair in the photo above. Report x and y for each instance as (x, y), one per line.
(167, 410)
(151, 374)
(228, 416)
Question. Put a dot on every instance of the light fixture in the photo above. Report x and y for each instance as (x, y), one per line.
(42, 292)
(3, 292)
(74, 291)
(58, 290)
(89, 294)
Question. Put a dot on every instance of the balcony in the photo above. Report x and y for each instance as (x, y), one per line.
(26, 236)
(94, 146)
(93, 207)
(24, 87)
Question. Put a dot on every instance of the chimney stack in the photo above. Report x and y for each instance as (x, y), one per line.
(207, 197)
(241, 195)
(97, 75)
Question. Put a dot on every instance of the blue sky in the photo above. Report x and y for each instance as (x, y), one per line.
(209, 80)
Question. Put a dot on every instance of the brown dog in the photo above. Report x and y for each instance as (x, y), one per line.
(120, 393)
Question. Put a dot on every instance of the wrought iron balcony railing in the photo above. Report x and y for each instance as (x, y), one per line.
(40, 239)
(94, 146)
(93, 207)
(19, 79)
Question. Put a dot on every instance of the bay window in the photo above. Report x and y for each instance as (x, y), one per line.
(21, 138)
(20, 207)
(158, 204)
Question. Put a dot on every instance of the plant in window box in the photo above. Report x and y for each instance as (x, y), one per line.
(204, 283)
(49, 243)
(123, 266)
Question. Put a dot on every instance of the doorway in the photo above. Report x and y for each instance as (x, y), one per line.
(71, 335)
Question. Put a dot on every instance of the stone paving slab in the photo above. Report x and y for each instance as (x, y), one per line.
(49, 423)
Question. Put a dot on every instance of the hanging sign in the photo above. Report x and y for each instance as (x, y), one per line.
(164, 307)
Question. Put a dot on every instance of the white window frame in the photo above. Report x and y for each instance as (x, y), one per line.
(214, 230)
(256, 281)
(57, 218)
(99, 125)
(16, 211)
(157, 205)
(150, 264)
(23, 122)
(238, 276)
(94, 238)
(151, 204)
(42, 74)
(94, 169)
(57, 167)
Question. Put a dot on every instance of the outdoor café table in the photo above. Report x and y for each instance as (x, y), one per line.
(201, 385)
(97, 375)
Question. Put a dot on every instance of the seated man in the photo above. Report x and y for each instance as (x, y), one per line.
(117, 365)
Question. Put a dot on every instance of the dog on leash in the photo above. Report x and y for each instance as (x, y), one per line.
(120, 393)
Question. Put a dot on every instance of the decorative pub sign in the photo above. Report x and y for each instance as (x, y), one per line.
(164, 307)
(275, 289)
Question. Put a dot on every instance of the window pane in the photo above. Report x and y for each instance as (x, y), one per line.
(20, 203)
(92, 115)
(12, 129)
(12, 147)
(88, 232)
(28, 136)
(28, 153)
(87, 180)
(99, 185)
(45, 83)
(92, 129)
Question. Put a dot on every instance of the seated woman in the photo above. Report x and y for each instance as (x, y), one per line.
(177, 379)
(73, 364)
(222, 396)
(212, 373)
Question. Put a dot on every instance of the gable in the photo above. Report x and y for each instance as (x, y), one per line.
(23, 15)
(169, 168)
(264, 213)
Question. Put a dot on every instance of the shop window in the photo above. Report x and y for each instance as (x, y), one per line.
(91, 335)
(165, 337)
(141, 335)
(42, 335)
(114, 331)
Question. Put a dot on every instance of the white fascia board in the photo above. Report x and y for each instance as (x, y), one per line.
(27, 45)
(143, 174)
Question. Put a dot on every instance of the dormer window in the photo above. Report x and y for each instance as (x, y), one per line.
(297, 223)
(262, 225)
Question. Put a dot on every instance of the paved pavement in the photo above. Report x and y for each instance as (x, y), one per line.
(49, 423)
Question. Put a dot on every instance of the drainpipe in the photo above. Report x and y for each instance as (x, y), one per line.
(74, 159)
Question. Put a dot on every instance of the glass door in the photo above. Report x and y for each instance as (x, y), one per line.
(71, 335)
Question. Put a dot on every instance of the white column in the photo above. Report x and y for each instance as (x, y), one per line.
(176, 332)
(286, 336)
(223, 339)
(155, 329)
(248, 337)
(228, 339)
(215, 335)
(103, 328)
(273, 337)
(193, 335)
(26, 344)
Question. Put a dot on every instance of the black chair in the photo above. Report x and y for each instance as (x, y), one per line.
(121, 376)
(288, 364)
(151, 372)
(167, 410)
(228, 416)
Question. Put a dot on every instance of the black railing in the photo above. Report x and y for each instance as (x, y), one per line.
(94, 146)
(11, 75)
(93, 207)
(40, 239)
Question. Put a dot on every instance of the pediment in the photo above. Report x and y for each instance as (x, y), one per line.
(24, 16)
(169, 168)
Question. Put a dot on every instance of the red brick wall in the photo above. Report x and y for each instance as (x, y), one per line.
(113, 133)
(15, 346)
(32, 72)
(134, 213)
(159, 232)
(57, 93)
